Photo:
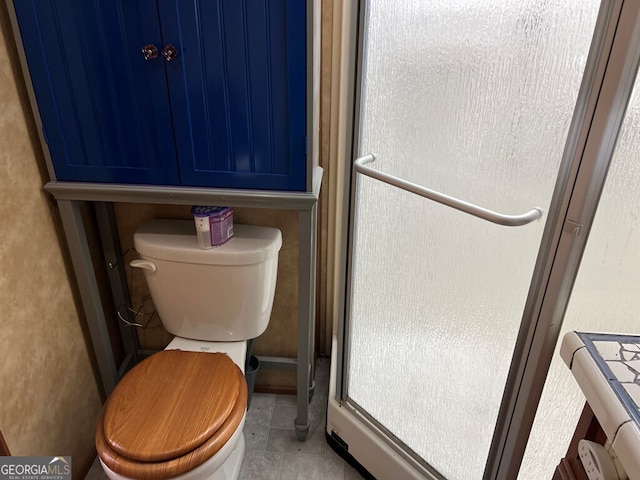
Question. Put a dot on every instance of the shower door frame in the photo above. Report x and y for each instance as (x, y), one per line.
(604, 94)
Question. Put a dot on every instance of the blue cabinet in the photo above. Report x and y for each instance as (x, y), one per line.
(217, 100)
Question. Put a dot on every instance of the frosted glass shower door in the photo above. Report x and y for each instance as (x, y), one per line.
(472, 99)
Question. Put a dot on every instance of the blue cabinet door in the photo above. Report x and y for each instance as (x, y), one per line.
(238, 91)
(105, 109)
(228, 111)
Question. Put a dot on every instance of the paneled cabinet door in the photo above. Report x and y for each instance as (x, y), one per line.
(104, 107)
(202, 93)
(238, 91)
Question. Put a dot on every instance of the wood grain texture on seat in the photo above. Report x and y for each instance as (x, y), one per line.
(177, 466)
(170, 404)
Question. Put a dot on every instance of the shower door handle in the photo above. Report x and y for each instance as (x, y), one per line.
(360, 166)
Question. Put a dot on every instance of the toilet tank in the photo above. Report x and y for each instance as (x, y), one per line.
(221, 294)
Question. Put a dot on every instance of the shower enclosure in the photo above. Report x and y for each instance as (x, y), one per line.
(483, 136)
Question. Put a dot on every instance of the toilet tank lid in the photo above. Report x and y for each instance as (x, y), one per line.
(176, 240)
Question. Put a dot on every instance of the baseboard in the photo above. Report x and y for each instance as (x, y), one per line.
(4, 450)
(277, 389)
(85, 466)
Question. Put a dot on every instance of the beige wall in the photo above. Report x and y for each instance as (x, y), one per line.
(49, 400)
(324, 323)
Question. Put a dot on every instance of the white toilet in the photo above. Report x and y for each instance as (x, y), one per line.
(180, 412)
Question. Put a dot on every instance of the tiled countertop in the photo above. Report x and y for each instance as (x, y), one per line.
(607, 369)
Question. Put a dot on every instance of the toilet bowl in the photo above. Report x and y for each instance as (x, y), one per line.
(180, 412)
(225, 465)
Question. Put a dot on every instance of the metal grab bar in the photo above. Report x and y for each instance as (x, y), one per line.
(466, 207)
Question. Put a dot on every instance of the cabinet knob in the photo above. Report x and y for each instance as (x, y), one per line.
(169, 52)
(150, 52)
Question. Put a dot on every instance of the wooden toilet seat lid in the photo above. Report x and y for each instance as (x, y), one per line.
(170, 404)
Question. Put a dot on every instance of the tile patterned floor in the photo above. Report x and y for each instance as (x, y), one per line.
(273, 451)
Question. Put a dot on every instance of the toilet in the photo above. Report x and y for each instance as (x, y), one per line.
(179, 413)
